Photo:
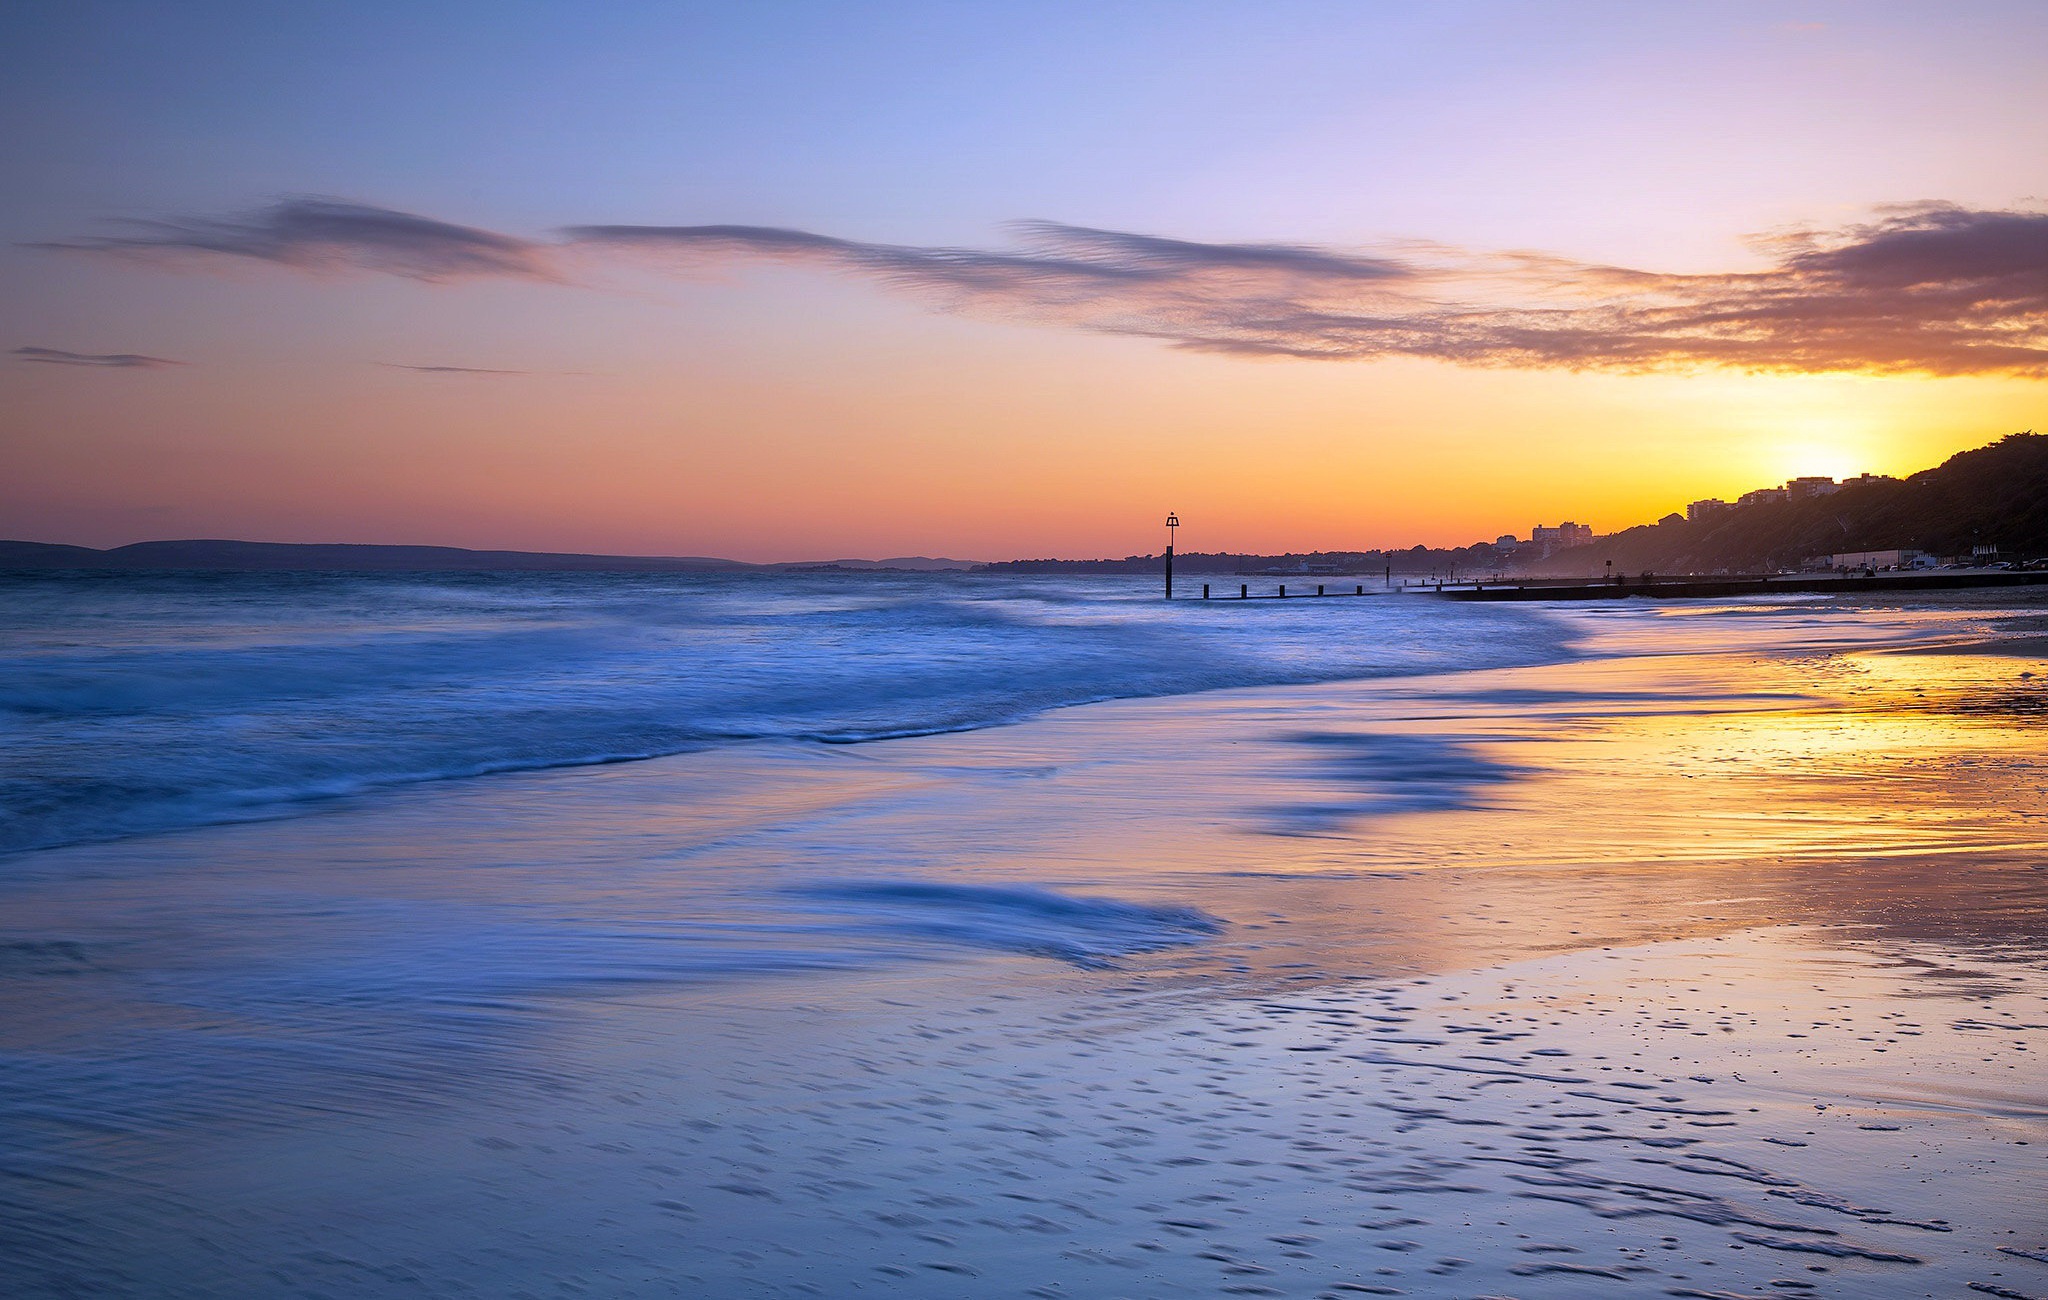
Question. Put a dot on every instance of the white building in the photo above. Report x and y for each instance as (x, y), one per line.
(1894, 559)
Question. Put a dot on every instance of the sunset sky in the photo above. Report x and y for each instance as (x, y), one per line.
(799, 281)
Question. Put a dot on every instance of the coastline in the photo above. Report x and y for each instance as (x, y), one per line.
(1697, 588)
(446, 1008)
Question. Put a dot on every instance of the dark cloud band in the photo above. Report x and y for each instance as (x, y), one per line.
(314, 234)
(98, 360)
(450, 370)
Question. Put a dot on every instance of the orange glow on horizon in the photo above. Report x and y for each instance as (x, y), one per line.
(990, 442)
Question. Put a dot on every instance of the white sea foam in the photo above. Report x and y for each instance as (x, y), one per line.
(134, 703)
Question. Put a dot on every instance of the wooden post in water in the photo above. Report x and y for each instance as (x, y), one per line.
(1172, 522)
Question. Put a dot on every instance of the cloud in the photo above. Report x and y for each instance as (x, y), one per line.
(451, 370)
(1932, 288)
(1054, 259)
(1104, 280)
(314, 234)
(101, 360)
(1929, 288)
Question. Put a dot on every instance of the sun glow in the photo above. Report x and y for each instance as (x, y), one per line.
(1831, 457)
(1834, 431)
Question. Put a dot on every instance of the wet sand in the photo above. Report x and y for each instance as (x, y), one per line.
(1682, 969)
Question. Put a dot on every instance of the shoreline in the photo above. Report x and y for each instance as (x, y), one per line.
(345, 791)
(783, 1017)
(1697, 588)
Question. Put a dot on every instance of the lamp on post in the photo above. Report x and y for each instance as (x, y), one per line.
(1172, 522)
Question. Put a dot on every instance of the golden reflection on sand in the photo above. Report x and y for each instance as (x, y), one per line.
(1701, 972)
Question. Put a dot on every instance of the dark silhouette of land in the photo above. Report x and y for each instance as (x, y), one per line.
(277, 557)
(1995, 496)
(288, 556)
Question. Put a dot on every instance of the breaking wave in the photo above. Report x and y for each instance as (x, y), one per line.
(142, 702)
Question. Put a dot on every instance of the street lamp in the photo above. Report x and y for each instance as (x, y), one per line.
(1172, 522)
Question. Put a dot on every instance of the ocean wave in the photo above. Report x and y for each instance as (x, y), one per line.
(152, 702)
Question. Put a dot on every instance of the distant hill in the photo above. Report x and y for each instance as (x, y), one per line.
(284, 556)
(1993, 496)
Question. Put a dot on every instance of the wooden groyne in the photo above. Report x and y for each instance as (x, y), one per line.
(1673, 588)
(1301, 591)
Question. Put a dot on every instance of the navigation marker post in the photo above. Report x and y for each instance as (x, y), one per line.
(1172, 522)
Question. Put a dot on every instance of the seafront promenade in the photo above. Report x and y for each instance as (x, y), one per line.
(1678, 587)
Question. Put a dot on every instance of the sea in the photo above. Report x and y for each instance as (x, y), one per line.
(132, 703)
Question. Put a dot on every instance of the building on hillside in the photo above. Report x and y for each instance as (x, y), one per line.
(1813, 485)
(1864, 480)
(1760, 496)
(1698, 510)
(1548, 540)
(1671, 519)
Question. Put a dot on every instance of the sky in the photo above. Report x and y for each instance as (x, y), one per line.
(801, 281)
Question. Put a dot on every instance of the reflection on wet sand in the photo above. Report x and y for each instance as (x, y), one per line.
(1683, 969)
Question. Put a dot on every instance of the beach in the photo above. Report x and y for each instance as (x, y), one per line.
(1383, 947)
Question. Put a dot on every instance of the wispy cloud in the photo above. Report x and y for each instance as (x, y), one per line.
(314, 234)
(450, 370)
(99, 360)
(1931, 288)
